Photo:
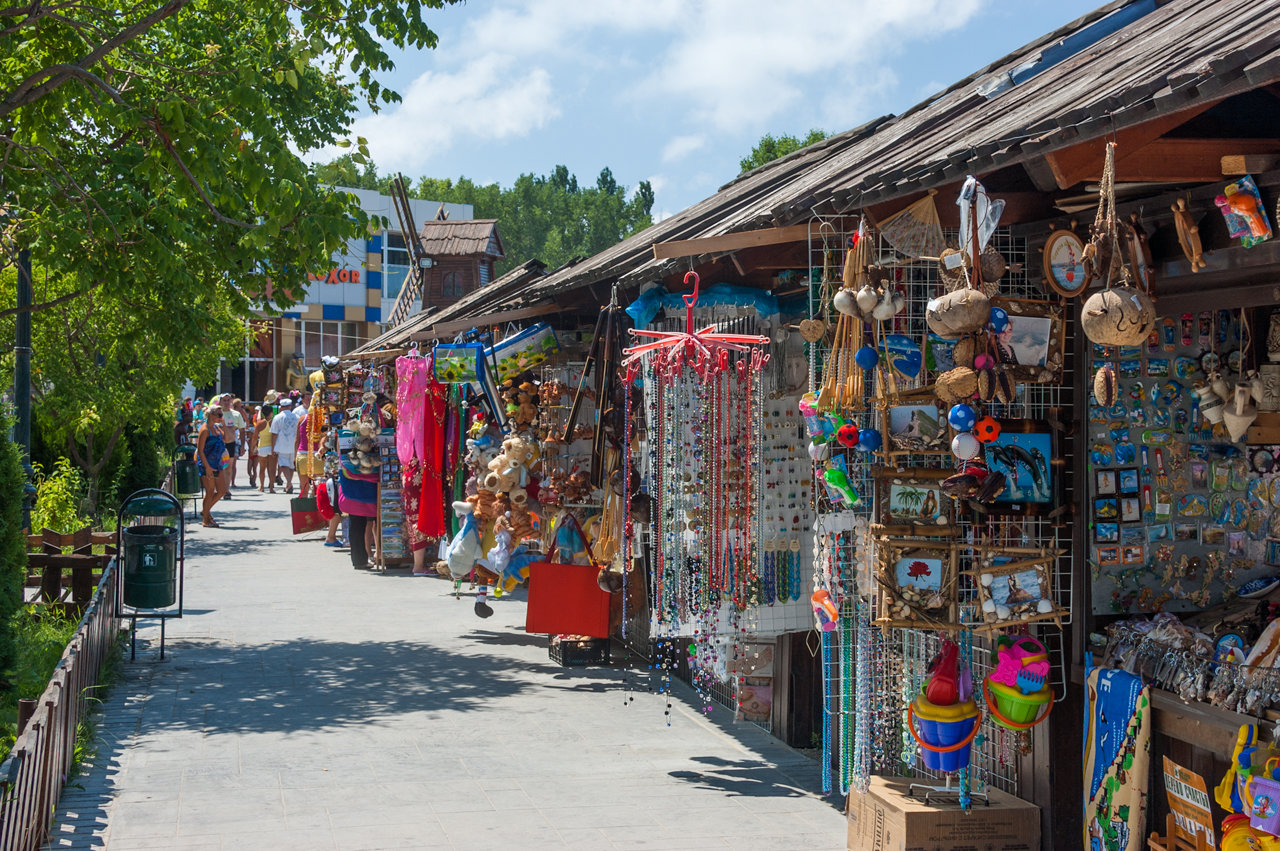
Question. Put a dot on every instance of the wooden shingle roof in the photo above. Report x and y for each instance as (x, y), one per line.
(445, 238)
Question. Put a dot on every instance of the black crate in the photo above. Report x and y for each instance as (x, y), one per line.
(576, 653)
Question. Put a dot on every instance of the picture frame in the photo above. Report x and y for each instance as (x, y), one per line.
(915, 428)
(1033, 345)
(1106, 508)
(911, 501)
(1015, 586)
(918, 580)
(1128, 482)
(1105, 482)
(1106, 533)
(1062, 260)
(1024, 453)
(1130, 509)
(1107, 556)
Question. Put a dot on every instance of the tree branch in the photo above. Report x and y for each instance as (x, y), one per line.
(208, 202)
(45, 305)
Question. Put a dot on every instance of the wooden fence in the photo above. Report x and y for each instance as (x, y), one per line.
(32, 777)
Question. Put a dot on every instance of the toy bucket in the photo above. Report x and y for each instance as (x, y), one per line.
(1012, 709)
(946, 732)
(1264, 809)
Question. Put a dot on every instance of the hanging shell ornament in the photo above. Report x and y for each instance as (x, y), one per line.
(812, 330)
(1120, 316)
(868, 297)
(846, 302)
(987, 384)
(962, 311)
(889, 305)
(1105, 386)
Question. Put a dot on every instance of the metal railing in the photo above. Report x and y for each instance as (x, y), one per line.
(32, 777)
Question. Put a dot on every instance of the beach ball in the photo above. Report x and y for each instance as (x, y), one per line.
(847, 435)
(869, 440)
(999, 320)
(987, 429)
(965, 446)
(866, 357)
(962, 417)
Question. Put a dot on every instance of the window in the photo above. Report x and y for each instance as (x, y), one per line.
(321, 339)
(395, 264)
(452, 286)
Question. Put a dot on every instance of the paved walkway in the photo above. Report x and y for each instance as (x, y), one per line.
(305, 705)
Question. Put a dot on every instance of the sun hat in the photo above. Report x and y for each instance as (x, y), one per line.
(271, 397)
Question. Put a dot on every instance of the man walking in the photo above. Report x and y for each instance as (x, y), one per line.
(284, 430)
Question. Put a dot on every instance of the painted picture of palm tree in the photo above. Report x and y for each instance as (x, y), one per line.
(915, 502)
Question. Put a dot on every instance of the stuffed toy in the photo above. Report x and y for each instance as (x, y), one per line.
(464, 550)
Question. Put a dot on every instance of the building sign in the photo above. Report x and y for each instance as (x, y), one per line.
(1188, 801)
(338, 276)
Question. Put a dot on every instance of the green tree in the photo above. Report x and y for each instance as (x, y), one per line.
(551, 217)
(772, 147)
(345, 171)
(13, 542)
(152, 150)
(99, 371)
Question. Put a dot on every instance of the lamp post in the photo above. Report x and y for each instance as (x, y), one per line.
(22, 379)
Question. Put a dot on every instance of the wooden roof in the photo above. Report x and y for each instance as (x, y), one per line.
(446, 238)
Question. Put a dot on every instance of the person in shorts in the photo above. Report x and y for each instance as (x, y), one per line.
(284, 433)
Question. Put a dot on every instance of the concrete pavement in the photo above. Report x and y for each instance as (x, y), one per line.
(306, 705)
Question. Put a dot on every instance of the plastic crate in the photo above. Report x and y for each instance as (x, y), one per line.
(575, 653)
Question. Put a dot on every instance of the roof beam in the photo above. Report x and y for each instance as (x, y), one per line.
(1084, 161)
(729, 242)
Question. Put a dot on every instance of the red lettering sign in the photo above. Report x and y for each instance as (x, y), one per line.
(337, 276)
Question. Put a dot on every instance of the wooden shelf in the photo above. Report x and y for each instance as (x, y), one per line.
(1201, 724)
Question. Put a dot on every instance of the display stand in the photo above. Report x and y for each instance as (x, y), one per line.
(392, 551)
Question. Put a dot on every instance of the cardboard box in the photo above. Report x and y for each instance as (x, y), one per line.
(886, 818)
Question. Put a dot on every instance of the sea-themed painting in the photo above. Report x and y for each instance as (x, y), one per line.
(917, 428)
(1024, 459)
(1015, 589)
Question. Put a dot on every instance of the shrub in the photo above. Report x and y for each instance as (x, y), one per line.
(58, 497)
(13, 541)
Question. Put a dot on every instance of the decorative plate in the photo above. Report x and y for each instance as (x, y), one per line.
(1185, 367)
(1253, 588)
(1209, 361)
(1063, 266)
(1239, 513)
(1259, 493)
(1219, 509)
(1262, 461)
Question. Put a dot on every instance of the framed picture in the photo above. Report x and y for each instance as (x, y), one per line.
(1024, 454)
(913, 498)
(1106, 508)
(919, 427)
(1104, 482)
(1186, 532)
(1133, 555)
(919, 583)
(1033, 344)
(1127, 481)
(1015, 586)
(1108, 556)
(1063, 263)
(1130, 509)
(1106, 533)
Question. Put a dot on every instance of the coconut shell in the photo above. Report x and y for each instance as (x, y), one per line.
(812, 330)
(1105, 386)
(956, 385)
(964, 351)
(986, 384)
(1119, 316)
(963, 311)
(1006, 387)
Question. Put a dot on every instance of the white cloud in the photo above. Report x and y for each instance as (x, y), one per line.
(681, 146)
(483, 100)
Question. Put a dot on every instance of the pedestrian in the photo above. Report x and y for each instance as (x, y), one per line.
(209, 453)
(358, 499)
(284, 430)
(251, 452)
(184, 426)
(197, 413)
(236, 413)
(266, 455)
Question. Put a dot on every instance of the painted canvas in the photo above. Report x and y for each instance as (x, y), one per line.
(1024, 459)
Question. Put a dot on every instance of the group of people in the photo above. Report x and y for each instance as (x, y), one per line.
(269, 437)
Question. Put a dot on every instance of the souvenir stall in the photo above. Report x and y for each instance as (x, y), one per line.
(936, 413)
(1181, 509)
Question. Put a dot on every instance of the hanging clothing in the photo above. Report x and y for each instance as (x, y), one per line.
(412, 373)
(431, 497)
(410, 497)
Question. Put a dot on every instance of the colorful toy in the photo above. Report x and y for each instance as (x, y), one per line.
(866, 357)
(961, 417)
(1017, 689)
(838, 481)
(965, 446)
(986, 429)
(949, 722)
(824, 609)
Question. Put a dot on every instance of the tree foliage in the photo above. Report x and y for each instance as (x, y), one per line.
(98, 370)
(13, 542)
(150, 150)
(772, 147)
(551, 217)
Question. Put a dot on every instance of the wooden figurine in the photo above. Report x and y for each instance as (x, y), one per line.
(1188, 235)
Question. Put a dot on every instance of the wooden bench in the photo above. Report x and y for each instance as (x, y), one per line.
(63, 565)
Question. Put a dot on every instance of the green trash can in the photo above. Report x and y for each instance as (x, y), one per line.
(186, 474)
(150, 556)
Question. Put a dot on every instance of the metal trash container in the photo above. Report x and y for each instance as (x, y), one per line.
(186, 474)
(150, 558)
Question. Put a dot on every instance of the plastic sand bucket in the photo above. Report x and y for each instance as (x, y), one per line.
(945, 733)
(1017, 711)
(1264, 809)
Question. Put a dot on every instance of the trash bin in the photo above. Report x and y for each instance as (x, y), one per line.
(186, 474)
(150, 556)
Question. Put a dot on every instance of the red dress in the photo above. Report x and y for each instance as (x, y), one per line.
(431, 513)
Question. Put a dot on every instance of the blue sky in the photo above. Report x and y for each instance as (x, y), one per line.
(673, 91)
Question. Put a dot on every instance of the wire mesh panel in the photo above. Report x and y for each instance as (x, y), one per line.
(872, 669)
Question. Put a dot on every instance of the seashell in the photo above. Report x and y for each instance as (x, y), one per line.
(1105, 387)
(986, 579)
(868, 297)
(1044, 607)
(847, 303)
(1002, 612)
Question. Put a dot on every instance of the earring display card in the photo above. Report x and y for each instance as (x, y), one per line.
(1180, 513)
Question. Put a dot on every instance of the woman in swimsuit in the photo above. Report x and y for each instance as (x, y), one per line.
(209, 449)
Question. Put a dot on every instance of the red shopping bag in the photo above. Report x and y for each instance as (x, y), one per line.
(565, 599)
(306, 515)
